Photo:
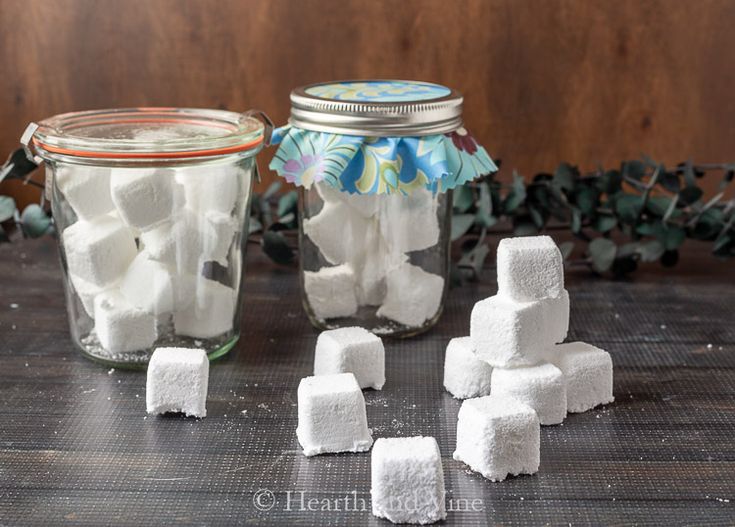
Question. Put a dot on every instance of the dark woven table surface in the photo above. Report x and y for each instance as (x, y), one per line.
(77, 448)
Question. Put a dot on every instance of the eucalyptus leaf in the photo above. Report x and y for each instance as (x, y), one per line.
(576, 220)
(690, 195)
(463, 198)
(525, 228)
(7, 208)
(602, 252)
(658, 205)
(516, 196)
(272, 190)
(564, 177)
(461, 223)
(275, 246)
(650, 251)
(604, 223)
(254, 225)
(673, 238)
(566, 249)
(627, 207)
(586, 200)
(287, 203)
(35, 221)
(634, 169)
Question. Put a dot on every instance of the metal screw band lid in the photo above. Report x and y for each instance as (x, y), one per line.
(377, 108)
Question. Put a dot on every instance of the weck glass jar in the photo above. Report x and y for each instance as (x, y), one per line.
(376, 162)
(151, 207)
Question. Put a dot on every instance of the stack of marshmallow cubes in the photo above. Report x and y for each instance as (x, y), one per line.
(513, 369)
(365, 240)
(136, 254)
(406, 472)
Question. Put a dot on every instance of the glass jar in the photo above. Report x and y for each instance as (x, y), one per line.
(376, 162)
(151, 207)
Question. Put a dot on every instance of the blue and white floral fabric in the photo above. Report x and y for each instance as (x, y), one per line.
(379, 165)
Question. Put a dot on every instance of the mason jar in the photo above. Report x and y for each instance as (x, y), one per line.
(151, 207)
(376, 162)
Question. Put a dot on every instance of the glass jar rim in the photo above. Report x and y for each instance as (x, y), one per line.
(148, 134)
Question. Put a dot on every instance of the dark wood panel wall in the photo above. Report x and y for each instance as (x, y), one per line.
(544, 80)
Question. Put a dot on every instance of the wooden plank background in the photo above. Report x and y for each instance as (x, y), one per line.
(544, 80)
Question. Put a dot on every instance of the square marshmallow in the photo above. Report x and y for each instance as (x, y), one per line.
(211, 313)
(465, 376)
(330, 292)
(337, 231)
(407, 480)
(214, 188)
(351, 350)
(556, 317)
(498, 435)
(179, 243)
(506, 333)
(145, 198)
(99, 251)
(177, 381)
(120, 326)
(529, 268)
(148, 285)
(218, 237)
(409, 223)
(413, 296)
(332, 415)
(86, 189)
(541, 387)
(365, 204)
(588, 372)
(87, 292)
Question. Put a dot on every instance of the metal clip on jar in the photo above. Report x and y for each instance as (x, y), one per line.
(376, 162)
(151, 206)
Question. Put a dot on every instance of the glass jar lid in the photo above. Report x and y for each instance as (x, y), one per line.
(377, 108)
(146, 133)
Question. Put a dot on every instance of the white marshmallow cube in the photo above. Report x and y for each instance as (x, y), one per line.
(506, 333)
(100, 250)
(218, 237)
(177, 381)
(465, 376)
(351, 350)
(211, 314)
(330, 291)
(413, 296)
(588, 372)
(148, 285)
(409, 223)
(86, 189)
(120, 326)
(541, 387)
(178, 244)
(338, 232)
(87, 292)
(214, 188)
(144, 198)
(497, 436)
(407, 480)
(556, 317)
(365, 204)
(332, 415)
(529, 268)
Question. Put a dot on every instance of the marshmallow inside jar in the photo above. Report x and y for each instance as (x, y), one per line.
(376, 162)
(150, 205)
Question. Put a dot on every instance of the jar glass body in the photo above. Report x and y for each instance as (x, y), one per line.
(376, 261)
(152, 252)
